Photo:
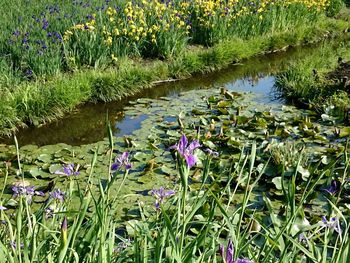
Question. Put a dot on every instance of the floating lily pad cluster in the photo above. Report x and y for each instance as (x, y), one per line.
(289, 140)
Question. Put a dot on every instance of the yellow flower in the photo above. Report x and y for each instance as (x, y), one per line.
(114, 58)
(111, 11)
(116, 31)
(79, 26)
(67, 35)
(109, 41)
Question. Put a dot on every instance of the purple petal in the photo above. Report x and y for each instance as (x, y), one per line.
(222, 250)
(157, 204)
(59, 172)
(125, 156)
(182, 144)
(169, 193)
(190, 160)
(230, 252)
(194, 145)
(115, 166)
(174, 147)
(39, 193)
(324, 220)
(243, 261)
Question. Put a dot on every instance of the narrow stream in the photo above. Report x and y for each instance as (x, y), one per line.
(87, 123)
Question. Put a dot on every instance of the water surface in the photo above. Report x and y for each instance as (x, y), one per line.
(87, 123)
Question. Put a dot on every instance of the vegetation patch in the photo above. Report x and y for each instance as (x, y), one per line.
(319, 82)
(203, 172)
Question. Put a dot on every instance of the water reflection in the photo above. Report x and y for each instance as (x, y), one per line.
(87, 123)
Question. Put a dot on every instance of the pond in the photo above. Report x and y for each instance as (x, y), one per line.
(87, 123)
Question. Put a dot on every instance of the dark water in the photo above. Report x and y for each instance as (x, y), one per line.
(87, 123)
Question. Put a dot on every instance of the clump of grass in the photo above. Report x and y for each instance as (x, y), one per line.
(306, 81)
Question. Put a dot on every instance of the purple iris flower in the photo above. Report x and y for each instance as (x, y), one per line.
(211, 152)
(121, 161)
(58, 36)
(26, 191)
(16, 33)
(332, 224)
(186, 150)
(68, 170)
(331, 189)
(57, 195)
(229, 256)
(13, 244)
(160, 194)
(29, 73)
(45, 24)
(2, 208)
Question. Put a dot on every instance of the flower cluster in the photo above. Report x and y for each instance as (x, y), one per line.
(57, 195)
(332, 224)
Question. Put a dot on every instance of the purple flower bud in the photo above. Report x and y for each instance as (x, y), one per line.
(229, 257)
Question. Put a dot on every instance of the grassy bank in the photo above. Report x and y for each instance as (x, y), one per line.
(314, 82)
(42, 101)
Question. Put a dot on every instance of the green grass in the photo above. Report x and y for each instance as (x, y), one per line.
(305, 81)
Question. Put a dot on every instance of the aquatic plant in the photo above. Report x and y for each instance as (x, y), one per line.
(268, 215)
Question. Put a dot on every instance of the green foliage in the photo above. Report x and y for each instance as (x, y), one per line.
(307, 81)
(334, 7)
(186, 228)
